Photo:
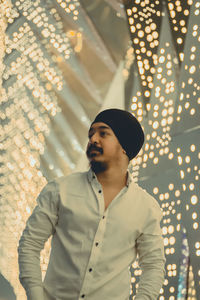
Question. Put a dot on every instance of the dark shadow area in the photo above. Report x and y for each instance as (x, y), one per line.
(6, 290)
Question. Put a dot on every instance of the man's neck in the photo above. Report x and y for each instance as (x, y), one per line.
(113, 177)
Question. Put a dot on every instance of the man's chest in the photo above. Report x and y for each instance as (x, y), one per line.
(109, 195)
(108, 212)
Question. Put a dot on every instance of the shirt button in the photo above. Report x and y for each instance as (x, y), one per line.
(90, 270)
(99, 191)
(103, 217)
(96, 244)
(83, 296)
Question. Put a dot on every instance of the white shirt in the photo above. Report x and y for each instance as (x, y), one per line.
(92, 248)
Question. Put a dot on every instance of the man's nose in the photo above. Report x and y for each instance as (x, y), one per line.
(94, 139)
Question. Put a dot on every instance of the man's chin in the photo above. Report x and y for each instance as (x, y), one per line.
(97, 166)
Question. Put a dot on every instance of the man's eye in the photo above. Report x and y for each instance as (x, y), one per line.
(90, 134)
(102, 133)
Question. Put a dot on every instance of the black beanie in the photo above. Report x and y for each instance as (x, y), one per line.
(126, 128)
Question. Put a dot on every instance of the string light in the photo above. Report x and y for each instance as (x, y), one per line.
(168, 68)
(29, 100)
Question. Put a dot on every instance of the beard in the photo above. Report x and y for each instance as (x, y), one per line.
(98, 166)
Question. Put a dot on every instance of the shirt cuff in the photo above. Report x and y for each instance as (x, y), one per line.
(35, 293)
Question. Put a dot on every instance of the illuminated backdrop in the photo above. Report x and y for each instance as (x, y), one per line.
(165, 97)
(60, 59)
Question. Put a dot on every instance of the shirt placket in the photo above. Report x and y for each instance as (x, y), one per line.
(98, 240)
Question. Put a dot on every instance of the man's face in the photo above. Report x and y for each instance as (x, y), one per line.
(103, 147)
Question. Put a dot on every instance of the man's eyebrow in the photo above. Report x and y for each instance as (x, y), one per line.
(103, 127)
(100, 127)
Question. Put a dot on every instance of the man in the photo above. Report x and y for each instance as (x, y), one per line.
(100, 220)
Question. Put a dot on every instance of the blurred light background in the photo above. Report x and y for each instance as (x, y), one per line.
(61, 62)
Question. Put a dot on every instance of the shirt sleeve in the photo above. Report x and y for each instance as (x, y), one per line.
(150, 249)
(39, 227)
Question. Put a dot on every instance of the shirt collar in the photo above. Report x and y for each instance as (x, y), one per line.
(129, 179)
(92, 176)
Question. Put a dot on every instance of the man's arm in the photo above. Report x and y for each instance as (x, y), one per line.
(150, 248)
(39, 227)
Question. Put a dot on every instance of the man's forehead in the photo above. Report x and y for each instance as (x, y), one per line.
(99, 125)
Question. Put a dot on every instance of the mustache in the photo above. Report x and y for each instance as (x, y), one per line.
(94, 147)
